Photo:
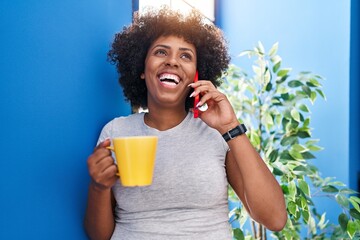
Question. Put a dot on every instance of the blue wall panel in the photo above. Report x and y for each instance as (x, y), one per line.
(57, 91)
(313, 36)
(354, 167)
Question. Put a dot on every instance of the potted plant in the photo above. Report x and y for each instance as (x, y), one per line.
(276, 109)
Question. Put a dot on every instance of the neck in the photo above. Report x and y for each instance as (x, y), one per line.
(164, 119)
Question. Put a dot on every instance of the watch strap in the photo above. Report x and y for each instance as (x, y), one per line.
(233, 133)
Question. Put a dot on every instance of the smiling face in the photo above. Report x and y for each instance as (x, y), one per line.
(170, 66)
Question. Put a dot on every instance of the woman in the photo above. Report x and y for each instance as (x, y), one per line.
(157, 58)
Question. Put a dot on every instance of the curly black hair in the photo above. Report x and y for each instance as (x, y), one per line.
(130, 47)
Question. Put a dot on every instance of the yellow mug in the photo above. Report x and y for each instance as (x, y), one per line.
(135, 157)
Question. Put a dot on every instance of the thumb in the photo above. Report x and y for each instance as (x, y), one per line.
(105, 143)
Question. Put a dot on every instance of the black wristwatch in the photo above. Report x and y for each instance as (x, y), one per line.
(233, 133)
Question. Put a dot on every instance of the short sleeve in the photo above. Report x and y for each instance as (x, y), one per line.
(225, 145)
(105, 132)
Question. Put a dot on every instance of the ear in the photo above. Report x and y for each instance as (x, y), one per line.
(142, 76)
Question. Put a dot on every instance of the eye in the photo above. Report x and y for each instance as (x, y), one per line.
(160, 52)
(186, 56)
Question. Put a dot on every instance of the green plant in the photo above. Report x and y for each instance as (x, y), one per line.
(276, 109)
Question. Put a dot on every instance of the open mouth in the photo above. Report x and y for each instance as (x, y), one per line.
(169, 79)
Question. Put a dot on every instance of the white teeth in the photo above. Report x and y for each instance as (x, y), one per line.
(169, 83)
(173, 77)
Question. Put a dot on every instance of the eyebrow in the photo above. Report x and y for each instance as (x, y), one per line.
(168, 47)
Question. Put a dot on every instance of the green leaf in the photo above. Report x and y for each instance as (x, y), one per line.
(329, 189)
(246, 52)
(342, 200)
(298, 147)
(283, 72)
(355, 213)
(282, 79)
(275, 59)
(302, 117)
(321, 93)
(260, 47)
(304, 187)
(338, 183)
(268, 87)
(311, 142)
(301, 94)
(268, 118)
(300, 170)
(357, 221)
(288, 140)
(276, 171)
(292, 126)
(273, 50)
(343, 221)
(295, 154)
(304, 204)
(315, 148)
(295, 83)
(292, 190)
(322, 223)
(307, 155)
(276, 101)
(312, 225)
(285, 96)
(313, 83)
(307, 90)
(313, 97)
(295, 114)
(254, 138)
(356, 199)
(273, 155)
(306, 122)
(287, 235)
(285, 189)
(276, 66)
(293, 208)
(355, 202)
(351, 228)
(303, 134)
(348, 191)
(306, 216)
(304, 108)
(238, 234)
(286, 156)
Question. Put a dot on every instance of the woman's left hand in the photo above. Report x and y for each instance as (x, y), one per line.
(220, 114)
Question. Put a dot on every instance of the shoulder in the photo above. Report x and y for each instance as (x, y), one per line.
(119, 123)
(124, 120)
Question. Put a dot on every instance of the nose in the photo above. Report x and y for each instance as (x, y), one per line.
(171, 61)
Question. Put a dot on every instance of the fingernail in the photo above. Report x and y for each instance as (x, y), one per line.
(203, 107)
(192, 94)
(190, 85)
(198, 104)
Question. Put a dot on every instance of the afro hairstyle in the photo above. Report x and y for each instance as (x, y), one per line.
(130, 46)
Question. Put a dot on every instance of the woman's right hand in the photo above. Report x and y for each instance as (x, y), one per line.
(101, 167)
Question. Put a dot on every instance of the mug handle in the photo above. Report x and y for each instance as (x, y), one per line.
(111, 148)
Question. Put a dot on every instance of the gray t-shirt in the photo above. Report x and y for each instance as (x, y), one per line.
(188, 197)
